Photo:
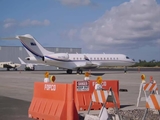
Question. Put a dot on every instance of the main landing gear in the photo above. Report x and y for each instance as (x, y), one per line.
(79, 71)
(69, 71)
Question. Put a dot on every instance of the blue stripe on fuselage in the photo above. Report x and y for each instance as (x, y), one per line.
(82, 60)
(58, 59)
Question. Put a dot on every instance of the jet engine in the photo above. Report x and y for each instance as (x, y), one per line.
(30, 58)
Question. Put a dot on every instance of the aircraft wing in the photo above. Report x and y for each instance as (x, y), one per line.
(87, 65)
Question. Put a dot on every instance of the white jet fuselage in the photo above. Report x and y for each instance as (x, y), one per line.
(73, 61)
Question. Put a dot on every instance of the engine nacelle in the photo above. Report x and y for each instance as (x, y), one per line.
(31, 58)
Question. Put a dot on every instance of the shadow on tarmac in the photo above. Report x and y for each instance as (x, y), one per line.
(13, 109)
(123, 106)
(94, 73)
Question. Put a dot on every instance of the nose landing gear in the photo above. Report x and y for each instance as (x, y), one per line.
(79, 71)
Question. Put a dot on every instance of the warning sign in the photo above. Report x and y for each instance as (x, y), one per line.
(82, 86)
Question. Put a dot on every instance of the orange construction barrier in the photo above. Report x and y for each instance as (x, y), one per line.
(53, 101)
(83, 91)
(102, 96)
(152, 102)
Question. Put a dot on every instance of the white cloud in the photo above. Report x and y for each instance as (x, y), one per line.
(71, 33)
(158, 41)
(132, 24)
(29, 22)
(9, 23)
(75, 2)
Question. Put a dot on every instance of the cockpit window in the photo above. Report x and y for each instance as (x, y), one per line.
(11, 62)
(127, 57)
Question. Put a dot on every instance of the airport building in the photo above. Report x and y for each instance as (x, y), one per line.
(11, 53)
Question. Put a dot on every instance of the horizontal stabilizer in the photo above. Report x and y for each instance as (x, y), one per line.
(10, 38)
(22, 62)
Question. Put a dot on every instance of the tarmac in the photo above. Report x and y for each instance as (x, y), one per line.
(16, 89)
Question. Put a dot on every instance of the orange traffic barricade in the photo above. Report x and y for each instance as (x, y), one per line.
(152, 102)
(53, 101)
(83, 91)
(102, 96)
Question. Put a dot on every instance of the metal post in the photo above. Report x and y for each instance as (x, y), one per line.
(140, 89)
(146, 111)
(104, 104)
(115, 103)
(89, 107)
(159, 114)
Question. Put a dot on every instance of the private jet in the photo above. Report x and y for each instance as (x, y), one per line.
(9, 65)
(67, 61)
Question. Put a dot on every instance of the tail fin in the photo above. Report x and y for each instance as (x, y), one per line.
(32, 45)
(22, 62)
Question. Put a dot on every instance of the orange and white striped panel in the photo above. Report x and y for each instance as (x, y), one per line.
(150, 87)
(153, 101)
(100, 96)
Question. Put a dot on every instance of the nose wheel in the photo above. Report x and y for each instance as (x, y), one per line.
(125, 69)
(79, 71)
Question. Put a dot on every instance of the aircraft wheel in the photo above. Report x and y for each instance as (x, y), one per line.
(69, 71)
(79, 71)
(125, 69)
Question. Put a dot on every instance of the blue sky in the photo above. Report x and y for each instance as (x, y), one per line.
(130, 27)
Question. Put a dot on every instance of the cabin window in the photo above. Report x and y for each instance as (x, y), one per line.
(127, 57)
(117, 58)
(110, 58)
(90, 58)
